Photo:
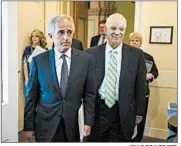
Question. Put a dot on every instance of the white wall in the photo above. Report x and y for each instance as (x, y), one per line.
(164, 89)
(10, 106)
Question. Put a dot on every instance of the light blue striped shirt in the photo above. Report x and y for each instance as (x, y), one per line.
(108, 53)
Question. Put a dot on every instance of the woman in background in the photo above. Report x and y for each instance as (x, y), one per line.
(135, 40)
(37, 38)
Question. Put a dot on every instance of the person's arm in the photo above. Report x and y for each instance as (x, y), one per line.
(31, 97)
(25, 65)
(25, 71)
(140, 89)
(154, 70)
(89, 98)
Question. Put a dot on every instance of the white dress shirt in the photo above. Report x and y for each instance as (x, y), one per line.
(59, 61)
(101, 40)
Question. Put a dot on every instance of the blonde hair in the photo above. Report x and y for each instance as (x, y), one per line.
(136, 35)
(42, 37)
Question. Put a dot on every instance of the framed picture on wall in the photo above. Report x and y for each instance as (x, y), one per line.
(161, 34)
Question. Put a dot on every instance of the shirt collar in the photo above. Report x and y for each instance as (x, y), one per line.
(118, 49)
(58, 54)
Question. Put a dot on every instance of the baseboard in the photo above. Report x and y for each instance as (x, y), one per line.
(156, 133)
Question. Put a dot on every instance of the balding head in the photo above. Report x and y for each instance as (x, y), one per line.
(115, 29)
(116, 18)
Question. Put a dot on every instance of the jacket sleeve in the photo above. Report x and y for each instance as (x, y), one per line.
(154, 69)
(90, 95)
(31, 96)
(141, 86)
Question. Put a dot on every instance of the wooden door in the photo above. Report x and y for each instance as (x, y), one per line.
(81, 21)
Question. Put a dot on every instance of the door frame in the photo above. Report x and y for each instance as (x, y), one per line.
(10, 95)
(75, 17)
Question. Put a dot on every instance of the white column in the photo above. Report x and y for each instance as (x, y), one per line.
(140, 18)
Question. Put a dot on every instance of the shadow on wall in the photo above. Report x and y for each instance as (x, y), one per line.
(153, 107)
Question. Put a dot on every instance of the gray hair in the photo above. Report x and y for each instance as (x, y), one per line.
(58, 18)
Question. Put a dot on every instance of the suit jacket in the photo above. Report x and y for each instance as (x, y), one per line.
(43, 90)
(75, 44)
(95, 40)
(154, 71)
(132, 84)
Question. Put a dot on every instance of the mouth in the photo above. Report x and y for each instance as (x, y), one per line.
(65, 44)
(117, 37)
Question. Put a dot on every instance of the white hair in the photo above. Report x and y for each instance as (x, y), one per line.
(116, 16)
(58, 18)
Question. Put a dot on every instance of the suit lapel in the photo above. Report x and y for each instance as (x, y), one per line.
(97, 41)
(53, 71)
(124, 63)
(101, 60)
(74, 54)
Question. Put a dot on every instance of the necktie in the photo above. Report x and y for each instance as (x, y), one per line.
(111, 81)
(64, 75)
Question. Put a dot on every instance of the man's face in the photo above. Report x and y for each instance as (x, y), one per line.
(135, 42)
(115, 31)
(62, 37)
(102, 29)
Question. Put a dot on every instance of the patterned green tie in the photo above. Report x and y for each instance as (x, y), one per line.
(111, 80)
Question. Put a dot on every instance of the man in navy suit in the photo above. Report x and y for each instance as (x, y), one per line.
(59, 80)
(101, 38)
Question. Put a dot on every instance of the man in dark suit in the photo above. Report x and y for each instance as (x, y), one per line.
(101, 38)
(135, 39)
(56, 89)
(121, 79)
(77, 44)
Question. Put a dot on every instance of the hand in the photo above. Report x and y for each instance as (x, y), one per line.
(87, 130)
(29, 135)
(139, 119)
(149, 76)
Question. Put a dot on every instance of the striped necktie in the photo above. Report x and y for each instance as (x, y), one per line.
(111, 80)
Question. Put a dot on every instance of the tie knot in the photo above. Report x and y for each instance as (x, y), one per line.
(113, 53)
(63, 56)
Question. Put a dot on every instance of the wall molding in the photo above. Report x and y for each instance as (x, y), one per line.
(156, 133)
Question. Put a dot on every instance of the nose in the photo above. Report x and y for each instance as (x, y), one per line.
(117, 31)
(65, 36)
